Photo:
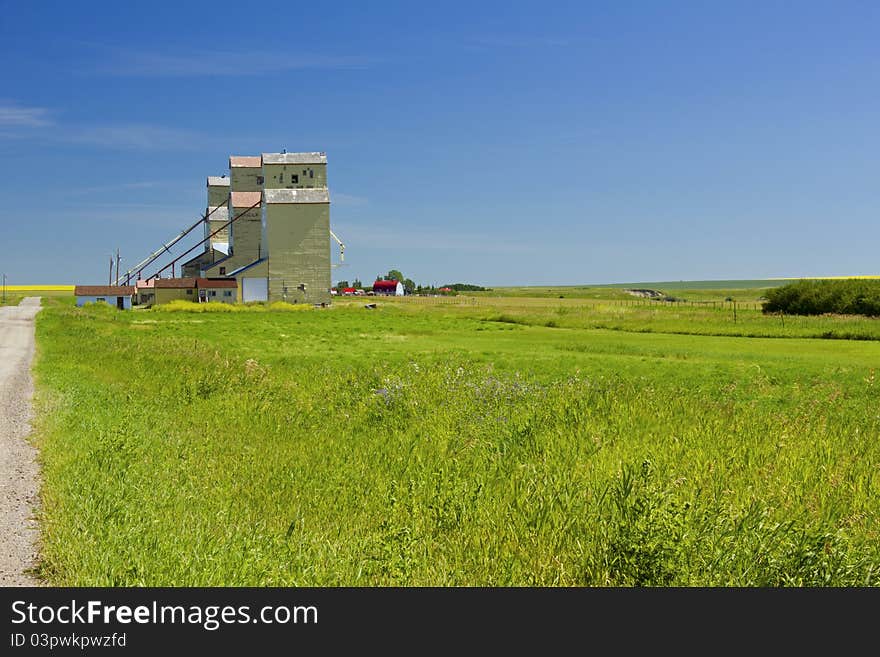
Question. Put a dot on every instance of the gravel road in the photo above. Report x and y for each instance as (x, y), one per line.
(19, 473)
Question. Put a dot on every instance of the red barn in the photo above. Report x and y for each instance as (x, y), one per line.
(388, 288)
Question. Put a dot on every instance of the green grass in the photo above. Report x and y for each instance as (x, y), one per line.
(715, 290)
(707, 285)
(444, 445)
(746, 291)
(647, 316)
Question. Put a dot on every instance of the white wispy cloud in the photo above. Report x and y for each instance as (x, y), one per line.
(120, 187)
(134, 136)
(162, 220)
(36, 123)
(15, 115)
(197, 63)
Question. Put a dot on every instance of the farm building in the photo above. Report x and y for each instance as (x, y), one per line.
(245, 173)
(170, 289)
(221, 291)
(218, 213)
(294, 170)
(216, 238)
(253, 281)
(245, 235)
(388, 288)
(297, 225)
(145, 292)
(118, 296)
(195, 289)
(266, 226)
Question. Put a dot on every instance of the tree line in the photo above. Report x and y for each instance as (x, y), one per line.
(411, 287)
(851, 296)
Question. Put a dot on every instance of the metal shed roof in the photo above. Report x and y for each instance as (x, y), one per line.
(175, 283)
(296, 196)
(218, 181)
(245, 199)
(295, 158)
(103, 290)
(244, 161)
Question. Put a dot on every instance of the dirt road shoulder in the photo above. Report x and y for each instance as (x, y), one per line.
(19, 471)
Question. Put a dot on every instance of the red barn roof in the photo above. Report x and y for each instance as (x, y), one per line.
(385, 285)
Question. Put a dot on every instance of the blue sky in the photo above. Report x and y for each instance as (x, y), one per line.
(494, 143)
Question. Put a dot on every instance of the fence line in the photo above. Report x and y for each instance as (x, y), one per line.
(728, 306)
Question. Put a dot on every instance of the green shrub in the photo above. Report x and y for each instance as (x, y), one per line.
(850, 296)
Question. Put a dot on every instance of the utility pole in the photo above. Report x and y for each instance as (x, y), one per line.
(110, 275)
(117, 266)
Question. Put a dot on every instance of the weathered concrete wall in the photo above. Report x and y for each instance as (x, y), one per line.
(217, 195)
(246, 235)
(294, 176)
(219, 216)
(245, 179)
(299, 251)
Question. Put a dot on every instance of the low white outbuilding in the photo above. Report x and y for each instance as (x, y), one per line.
(118, 296)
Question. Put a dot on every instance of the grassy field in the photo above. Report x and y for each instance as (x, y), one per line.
(743, 319)
(746, 291)
(439, 444)
(618, 292)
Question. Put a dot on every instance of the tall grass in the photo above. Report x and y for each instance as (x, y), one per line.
(183, 306)
(653, 317)
(390, 447)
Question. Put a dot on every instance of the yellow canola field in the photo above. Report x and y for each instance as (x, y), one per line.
(33, 288)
